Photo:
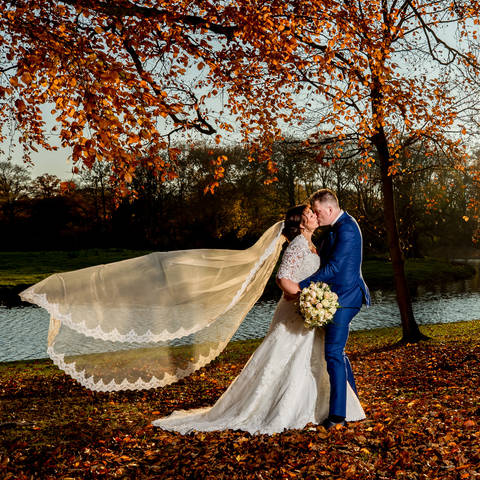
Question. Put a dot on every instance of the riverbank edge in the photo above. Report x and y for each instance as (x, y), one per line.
(377, 272)
(359, 342)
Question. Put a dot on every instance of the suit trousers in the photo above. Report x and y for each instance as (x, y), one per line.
(338, 365)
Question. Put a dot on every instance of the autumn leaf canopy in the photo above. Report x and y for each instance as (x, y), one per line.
(122, 78)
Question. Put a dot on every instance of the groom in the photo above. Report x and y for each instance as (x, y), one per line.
(340, 268)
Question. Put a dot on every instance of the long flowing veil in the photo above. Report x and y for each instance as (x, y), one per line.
(149, 321)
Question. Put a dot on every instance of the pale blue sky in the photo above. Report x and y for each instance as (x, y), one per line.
(44, 161)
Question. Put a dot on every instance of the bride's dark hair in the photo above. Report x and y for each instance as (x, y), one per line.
(293, 219)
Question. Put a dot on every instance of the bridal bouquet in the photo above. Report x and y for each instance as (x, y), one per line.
(317, 304)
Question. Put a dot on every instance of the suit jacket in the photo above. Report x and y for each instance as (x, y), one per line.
(341, 263)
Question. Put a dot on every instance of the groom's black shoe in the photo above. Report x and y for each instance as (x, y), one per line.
(330, 422)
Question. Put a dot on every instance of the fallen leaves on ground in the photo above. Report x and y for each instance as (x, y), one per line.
(422, 402)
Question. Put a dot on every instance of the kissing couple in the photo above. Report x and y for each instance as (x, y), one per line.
(298, 375)
(149, 321)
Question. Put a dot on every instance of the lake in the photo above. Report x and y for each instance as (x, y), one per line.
(24, 329)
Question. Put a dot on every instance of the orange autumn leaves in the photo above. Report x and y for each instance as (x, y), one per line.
(123, 76)
(93, 70)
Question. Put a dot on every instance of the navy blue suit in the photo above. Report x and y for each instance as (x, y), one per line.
(340, 267)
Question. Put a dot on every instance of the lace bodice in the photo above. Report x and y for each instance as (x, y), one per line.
(298, 261)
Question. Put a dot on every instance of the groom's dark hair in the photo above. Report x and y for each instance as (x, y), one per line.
(323, 195)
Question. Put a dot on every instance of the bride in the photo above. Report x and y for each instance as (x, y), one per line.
(285, 383)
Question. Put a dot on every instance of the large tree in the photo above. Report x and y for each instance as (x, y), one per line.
(390, 75)
(123, 76)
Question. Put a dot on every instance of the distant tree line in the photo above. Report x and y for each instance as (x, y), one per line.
(177, 213)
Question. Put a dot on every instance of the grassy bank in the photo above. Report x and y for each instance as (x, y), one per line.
(378, 272)
(21, 269)
(422, 404)
(27, 268)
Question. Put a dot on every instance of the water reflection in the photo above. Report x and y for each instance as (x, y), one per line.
(24, 329)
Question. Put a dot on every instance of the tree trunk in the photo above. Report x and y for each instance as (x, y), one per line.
(291, 183)
(411, 332)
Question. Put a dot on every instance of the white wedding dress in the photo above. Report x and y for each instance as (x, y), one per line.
(285, 383)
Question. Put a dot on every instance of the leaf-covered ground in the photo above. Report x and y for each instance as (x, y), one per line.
(422, 403)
